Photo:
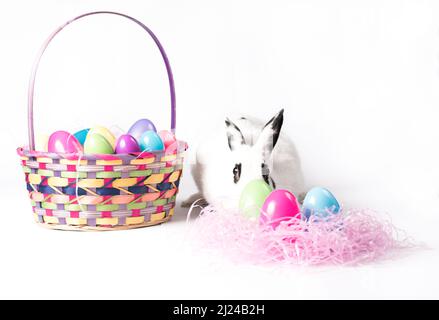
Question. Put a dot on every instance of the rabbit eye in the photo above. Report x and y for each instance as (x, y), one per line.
(236, 172)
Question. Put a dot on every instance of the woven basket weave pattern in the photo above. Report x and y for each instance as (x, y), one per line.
(102, 191)
(125, 190)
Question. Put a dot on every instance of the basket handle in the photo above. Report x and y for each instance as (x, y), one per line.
(30, 104)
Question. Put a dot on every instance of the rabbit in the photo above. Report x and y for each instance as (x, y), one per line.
(246, 150)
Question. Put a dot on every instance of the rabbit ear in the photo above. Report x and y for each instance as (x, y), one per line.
(270, 133)
(234, 135)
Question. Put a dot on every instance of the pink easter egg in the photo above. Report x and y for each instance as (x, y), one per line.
(280, 205)
(63, 142)
(127, 144)
(167, 137)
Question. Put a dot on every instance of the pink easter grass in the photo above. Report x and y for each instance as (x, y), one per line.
(352, 237)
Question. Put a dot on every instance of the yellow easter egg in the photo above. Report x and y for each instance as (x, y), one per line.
(104, 132)
(41, 142)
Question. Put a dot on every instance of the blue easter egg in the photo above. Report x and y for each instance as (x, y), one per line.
(319, 202)
(151, 141)
(81, 135)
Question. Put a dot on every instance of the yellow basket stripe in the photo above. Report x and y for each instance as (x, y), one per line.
(76, 221)
(170, 157)
(34, 178)
(122, 199)
(44, 160)
(155, 178)
(91, 199)
(126, 182)
(157, 216)
(108, 162)
(50, 219)
(37, 196)
(135, 220)
(171, 212)
(58, 182)
(109, 221)
(174, 176)
(143, 161)
(73, 162)
(91, 183)
(59, 198)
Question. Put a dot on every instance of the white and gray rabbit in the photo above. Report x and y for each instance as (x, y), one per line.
(245, 150)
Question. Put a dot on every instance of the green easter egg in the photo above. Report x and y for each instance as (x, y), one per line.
(253, 197)
(95, 143)
(104, 132)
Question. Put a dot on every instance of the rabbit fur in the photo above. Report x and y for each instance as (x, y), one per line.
(244, 150)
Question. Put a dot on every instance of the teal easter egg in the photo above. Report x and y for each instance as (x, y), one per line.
(319, 202)
(253, 197)
(81, 135)
(96, 143)
(151, 141)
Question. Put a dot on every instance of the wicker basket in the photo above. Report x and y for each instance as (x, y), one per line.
(102, 191)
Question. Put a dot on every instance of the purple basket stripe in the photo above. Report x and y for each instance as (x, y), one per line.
(122, 207)
(125, 174)
(91, 222)
(93, 215)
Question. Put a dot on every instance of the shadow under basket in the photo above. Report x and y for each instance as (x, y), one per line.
(75, 191)
(102, 192)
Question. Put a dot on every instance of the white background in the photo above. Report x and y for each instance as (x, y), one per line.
(359, 83)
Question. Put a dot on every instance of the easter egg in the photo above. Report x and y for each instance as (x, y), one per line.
(81, 135)
(41, 142)
(127, 144)
(280, 205)
(104, 132)
(167, 137)
(141, 126)
(319, 202)
(150, 141)
(96, 143)
(252, 198)
(63, 142)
